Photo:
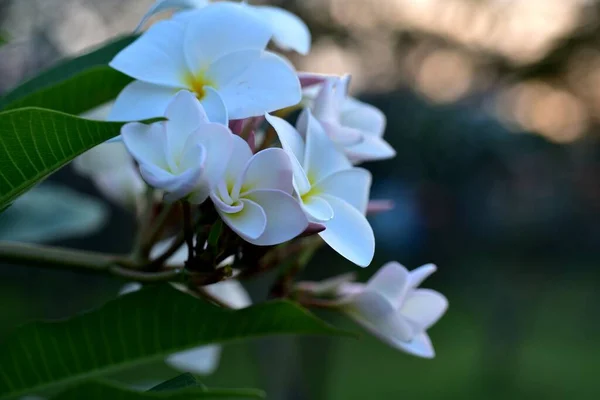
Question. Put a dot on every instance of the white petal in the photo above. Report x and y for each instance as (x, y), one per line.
(285, 218)
(140, 100)
(227, 68)
(230, 292)
(318, 208)
(269, 84)
(166, 5)
(130, 288)
(214, 106)
(156, 56)
(390, 281)
(249, 223)
(289, 31)
(146, 143)
(325, 106)
(177, 259)
(342, 135)
(375, 313)
(371, 148)
(351, 185)
(419, 346)
(123, 186)
(185, 114)
(269, 169)
(349, 232)
(362, 116)
(418, 275)
(293, 144)
(322, 157)
(202, 360)
(221, 29)
(290, 138)
(176, 186)
(240, 157)
(424, 308)
(217, 139)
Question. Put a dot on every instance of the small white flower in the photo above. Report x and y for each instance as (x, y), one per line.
(255, 196)
(202, 360)
(354, 126)
(289, 31)
(218, 53)
(331, 191)
(110, 167)
(391, 307)
(184, 156)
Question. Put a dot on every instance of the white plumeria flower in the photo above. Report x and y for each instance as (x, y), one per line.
(355, 126)
(255, 196)
(218, 53)
(185, 156)
(289, 31)
(110, 167)
(391, 307)
(331, 191)
(202, 360)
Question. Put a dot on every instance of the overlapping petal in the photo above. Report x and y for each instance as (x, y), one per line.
(285, 218)
(268, 169)
(140, 100)
(392, 281)
(269, 84)
(424, 308)
(349, 232)
(250, 222)
(351, 185)
(289, 31)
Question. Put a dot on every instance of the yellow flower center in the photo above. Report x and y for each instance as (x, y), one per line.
(197, 84)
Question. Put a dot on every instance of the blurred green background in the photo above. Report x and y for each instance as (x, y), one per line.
(493, 107)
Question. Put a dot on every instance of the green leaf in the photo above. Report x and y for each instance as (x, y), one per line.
(105, 390)
(36, 142)
(74, 85)
(51, 212)
(179, 382)
(134, 329)
(215, 233)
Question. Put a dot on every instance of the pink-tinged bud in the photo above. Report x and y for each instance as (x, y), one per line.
(312, 229)
(236, 126)
(311, 79)
(379, 206)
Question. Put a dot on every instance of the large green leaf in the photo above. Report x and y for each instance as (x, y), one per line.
(36, 142)
(74, 85)
(137, 328)
(179, 382)
(105, 390)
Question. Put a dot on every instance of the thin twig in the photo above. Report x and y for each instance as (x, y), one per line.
(188, 229)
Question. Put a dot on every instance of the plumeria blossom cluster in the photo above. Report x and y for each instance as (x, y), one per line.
(226, 156)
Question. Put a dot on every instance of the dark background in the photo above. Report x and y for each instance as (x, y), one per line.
(493, 107)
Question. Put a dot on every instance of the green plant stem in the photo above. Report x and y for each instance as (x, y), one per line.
(76, 260)
(145, 222)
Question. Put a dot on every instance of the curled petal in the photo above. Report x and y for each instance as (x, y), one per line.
(424, 307)
(377, 315)
(240, 157)
(185, 114)
(362, 116)
(268, 169)
(145, 143)
(285, 218)
(370, 148)
(351, 185)
(140, 100)
(418, 275)
(349, 232)
(318, 209)
(250, 222)
(419, 346)
(156, 56)
(392, 282)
